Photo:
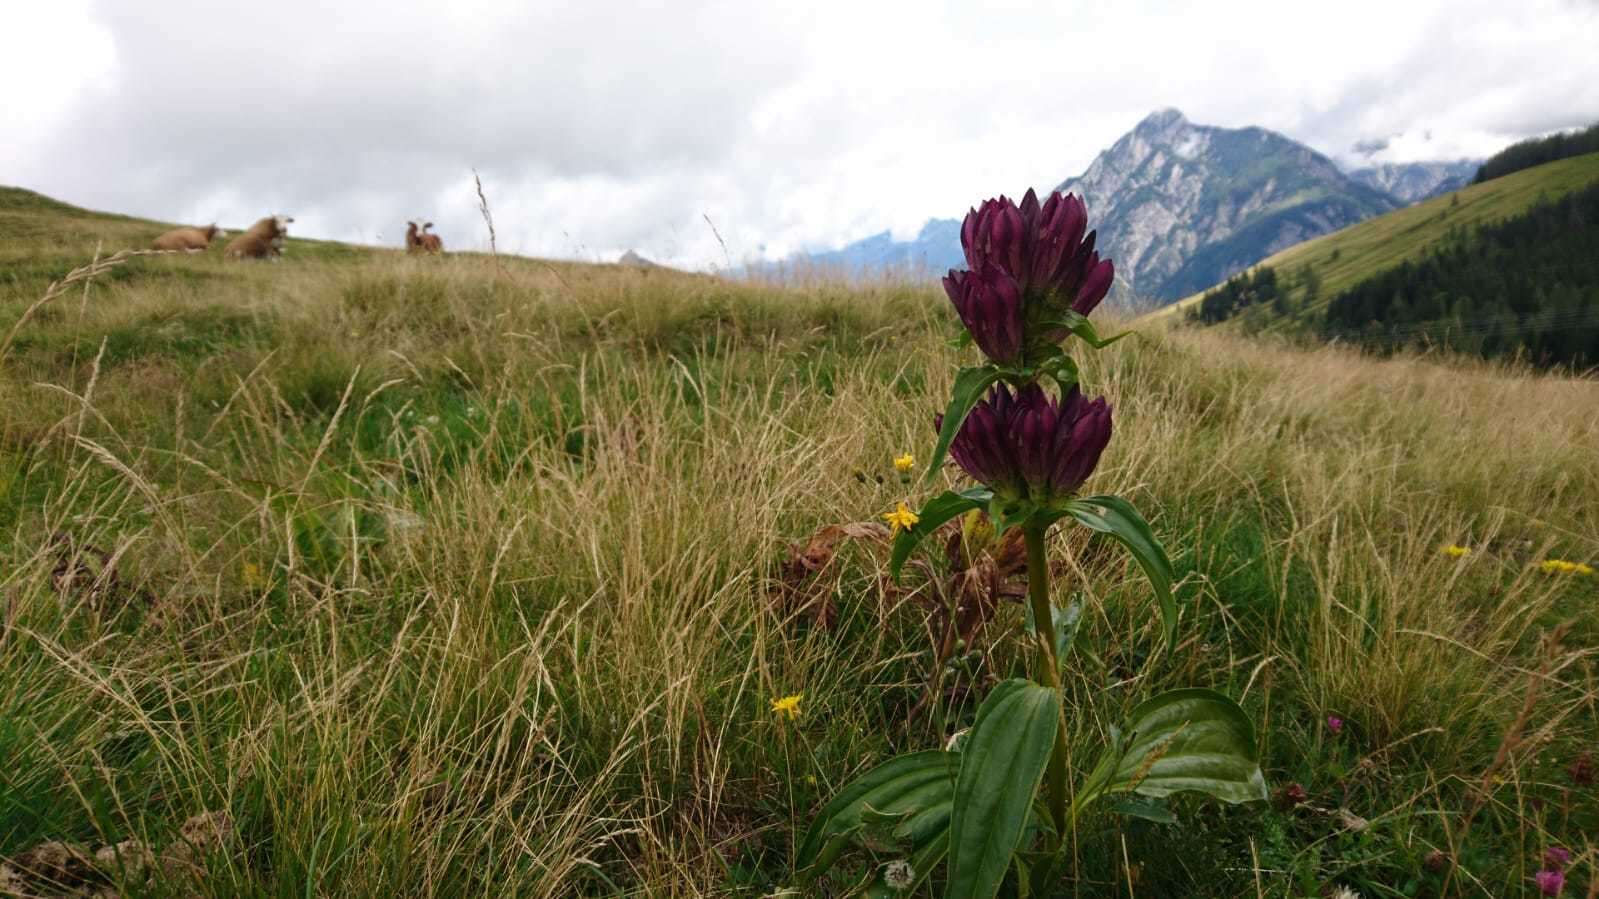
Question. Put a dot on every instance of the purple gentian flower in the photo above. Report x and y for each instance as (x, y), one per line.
(1550, 882)
(1556, 857)
(1335, 724)
(990, 306)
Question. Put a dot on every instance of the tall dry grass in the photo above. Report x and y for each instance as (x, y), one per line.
(443, 578)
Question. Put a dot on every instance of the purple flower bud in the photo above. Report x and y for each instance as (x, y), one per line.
(1060, 226)
(1033, 434)
(1078, 450)
(1556, 857)
(981, 446)
(990, 306)
(1550, 883)
(992, 234)
(1335, 724)
(1095, 285)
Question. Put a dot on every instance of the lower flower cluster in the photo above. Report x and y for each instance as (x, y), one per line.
(1027, 444)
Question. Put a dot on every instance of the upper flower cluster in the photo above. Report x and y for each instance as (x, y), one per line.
(1029, 265)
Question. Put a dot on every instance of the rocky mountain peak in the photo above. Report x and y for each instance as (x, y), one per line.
(1181, 206)
(1160, 123)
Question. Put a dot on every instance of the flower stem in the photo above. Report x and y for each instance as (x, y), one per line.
(1047, 667)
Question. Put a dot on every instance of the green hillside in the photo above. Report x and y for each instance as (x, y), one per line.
(366, 574)
(41, 239)
(1344, 258)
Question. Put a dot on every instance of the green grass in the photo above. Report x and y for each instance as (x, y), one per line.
(1349, 256)
(445, 578)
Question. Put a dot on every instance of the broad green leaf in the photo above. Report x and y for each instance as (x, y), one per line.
(1002, 762)
(917, 789)
(1193, 739)
(969, 386)
(924, 860)
(938, 510)
(1117, 519)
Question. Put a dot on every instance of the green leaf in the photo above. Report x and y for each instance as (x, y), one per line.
(969, 386)
(1116, 518)
(1079, 324)
(1009, 512)
(939, 509)
(1002, 762)
(1148, 809)
(1064, 624)
(1058, 366)
(917, 789)
(1193, 739)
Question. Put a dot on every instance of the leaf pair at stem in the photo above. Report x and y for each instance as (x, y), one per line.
(976, 807)
(1109, 515)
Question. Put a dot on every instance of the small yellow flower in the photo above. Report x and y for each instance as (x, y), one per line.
(1561, 566)
(251, 573)
(901, 519)
(787, 705)
(903, 464)
(1455, 551)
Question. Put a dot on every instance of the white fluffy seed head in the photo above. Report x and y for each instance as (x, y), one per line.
(899, 875)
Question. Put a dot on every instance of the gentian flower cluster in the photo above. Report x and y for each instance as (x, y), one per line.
(1026, 444)
(1029, 265)
(1031, 269)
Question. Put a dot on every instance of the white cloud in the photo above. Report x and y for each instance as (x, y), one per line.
(603, 126)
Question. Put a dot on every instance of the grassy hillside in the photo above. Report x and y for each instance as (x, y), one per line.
(41, 239)
(438, 577)
(1345, 257)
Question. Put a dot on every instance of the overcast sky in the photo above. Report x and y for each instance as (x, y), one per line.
(600, 126)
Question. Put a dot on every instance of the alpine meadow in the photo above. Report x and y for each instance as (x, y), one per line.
(367, 573)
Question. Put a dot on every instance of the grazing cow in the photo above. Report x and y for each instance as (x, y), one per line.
(418, 239)
(194, 240)
(431, 243)
(263, 240)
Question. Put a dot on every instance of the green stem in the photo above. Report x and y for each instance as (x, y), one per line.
(1047, 667)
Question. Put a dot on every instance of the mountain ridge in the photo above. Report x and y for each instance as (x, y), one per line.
(1179, 206)
(1169, 188)
(1346, 257)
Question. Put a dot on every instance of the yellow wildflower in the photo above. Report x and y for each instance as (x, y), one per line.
(787, 705)
(901, 519)
(1455, 551)
(905, 463)
(251, 573)
(1561, 566)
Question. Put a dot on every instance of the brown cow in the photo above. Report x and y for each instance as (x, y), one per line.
(431, 243)
(263, 240)
(194, 240)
